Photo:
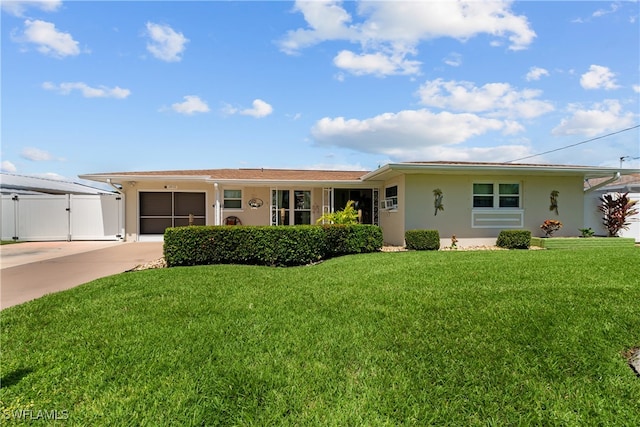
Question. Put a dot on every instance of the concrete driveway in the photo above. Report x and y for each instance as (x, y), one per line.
(32, 269)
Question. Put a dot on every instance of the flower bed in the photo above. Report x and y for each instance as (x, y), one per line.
(581, 242)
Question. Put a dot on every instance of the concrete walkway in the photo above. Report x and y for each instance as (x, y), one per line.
(32, 269)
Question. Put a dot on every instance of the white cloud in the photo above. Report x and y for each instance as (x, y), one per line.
(260, 109)
(49, 40)
(8, 167)
(601, 12)
(453, 59)
(535, 73)
(336, 167)
(327, 21)
(636, 88)
(393, 30)
(598, 77)
(417, 135)
(600, 118)
(407, 133)
(499, 153)
(17, 8)
(375, 63)
(35, 154)
(192, 104)
(494, 99)
(165, 44)
(88, 91)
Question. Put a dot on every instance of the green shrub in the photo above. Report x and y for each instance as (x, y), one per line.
(422, 240)
(342, 239)
(514, 239)
(266, 245)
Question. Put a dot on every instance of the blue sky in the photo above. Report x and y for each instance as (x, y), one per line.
(109, 86)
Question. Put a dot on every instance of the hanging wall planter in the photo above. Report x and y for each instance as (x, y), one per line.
(554, 201)
(437, 202)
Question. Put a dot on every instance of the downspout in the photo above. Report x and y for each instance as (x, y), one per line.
(118, 190)
(616, 176)
(217, 220)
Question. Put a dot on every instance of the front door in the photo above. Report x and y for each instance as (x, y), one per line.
(365, 201)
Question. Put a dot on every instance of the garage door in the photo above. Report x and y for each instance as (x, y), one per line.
(160, 210)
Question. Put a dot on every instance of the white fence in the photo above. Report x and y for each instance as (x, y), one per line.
(62, 217)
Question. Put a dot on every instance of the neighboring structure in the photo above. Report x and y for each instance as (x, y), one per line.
(40, 209)
(21, 184)
(626, 184)
(473, 201)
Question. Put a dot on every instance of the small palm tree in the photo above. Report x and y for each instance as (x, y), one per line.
(346, 216)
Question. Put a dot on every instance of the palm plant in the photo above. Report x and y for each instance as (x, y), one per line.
(346, 216)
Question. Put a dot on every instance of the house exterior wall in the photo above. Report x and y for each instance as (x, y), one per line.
(132, 192)
(247, 215)
(461, 219)
(392, 221)
(415, 204)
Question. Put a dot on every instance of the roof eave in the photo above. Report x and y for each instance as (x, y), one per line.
(586, 172)
(121, 179)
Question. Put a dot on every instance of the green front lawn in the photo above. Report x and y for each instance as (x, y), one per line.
(411, 338)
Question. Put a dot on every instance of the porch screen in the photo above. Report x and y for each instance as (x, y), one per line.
(160, 210)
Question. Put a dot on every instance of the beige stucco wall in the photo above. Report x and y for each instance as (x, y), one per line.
(458, 194)
(248, 216)
(415, 204)
(261, 216)
(392, 222)
(132, 190)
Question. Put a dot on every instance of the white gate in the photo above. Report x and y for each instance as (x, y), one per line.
(62, 217)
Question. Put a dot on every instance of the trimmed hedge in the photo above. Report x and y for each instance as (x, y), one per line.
(514, 239)
(266, 245)
(344, 239)
(422, 240)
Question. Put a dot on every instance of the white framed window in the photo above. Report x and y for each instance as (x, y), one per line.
(232, 199)
(390, 200)
(491, 195)
(290, 207)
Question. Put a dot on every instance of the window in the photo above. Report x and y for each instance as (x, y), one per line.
(302, 209)
(390, 198)
(490, 195)
(509, 195)
(232, 199)
(284, 202)
(482, 195)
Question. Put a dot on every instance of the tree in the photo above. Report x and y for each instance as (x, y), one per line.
(617, 208)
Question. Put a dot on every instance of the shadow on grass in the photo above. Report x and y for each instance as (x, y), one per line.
(14, 377)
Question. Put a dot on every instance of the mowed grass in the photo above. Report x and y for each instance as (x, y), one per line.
(415, 338)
